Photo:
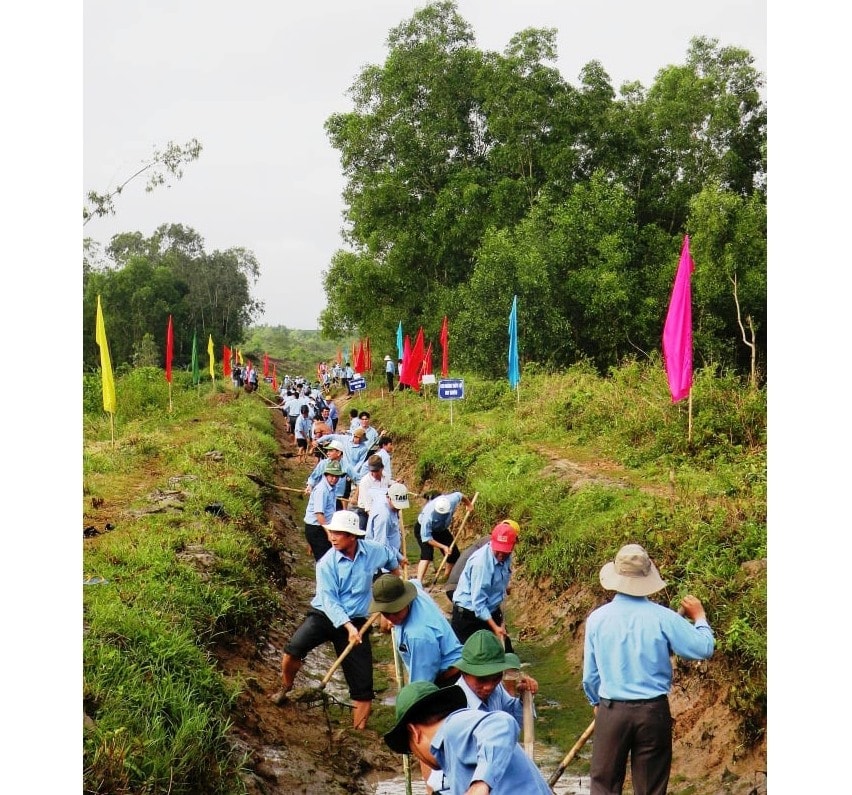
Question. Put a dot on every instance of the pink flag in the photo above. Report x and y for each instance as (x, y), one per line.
(677, 332)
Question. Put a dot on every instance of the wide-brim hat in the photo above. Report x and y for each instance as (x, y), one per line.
(418, 699)
(345, 522)
(482, 655)
(391, 594)
(387, 358)
(632, 573)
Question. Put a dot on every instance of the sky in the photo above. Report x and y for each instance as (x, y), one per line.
(90, 87)
(255, 82)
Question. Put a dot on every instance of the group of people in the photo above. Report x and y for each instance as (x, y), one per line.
(460, 715)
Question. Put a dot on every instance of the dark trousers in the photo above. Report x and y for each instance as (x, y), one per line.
(317, 539)
(427, 551)
(641, 730)
(465, 623)
(389, 376)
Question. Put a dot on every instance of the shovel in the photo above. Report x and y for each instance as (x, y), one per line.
(570, 755)
(307, 692)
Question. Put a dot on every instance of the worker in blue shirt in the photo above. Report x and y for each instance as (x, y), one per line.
(627, 673)
(344, 576)
(478, 751)
(483, 586)
(432, 530)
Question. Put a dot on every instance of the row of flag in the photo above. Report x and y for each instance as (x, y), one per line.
(417, 358)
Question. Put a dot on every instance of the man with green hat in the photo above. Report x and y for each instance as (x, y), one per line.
(321, 505)
(482, 664)
(478, 751)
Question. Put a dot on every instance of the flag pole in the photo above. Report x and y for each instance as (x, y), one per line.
(689, 431)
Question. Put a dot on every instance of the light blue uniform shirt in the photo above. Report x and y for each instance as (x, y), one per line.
(430, 520)
(353, 454)
(628, 647)
(386, 460)
(322, 500)
(426, 641)
(383, 526)
(498, 700)
(344, 586)
(483, 746)
(483, 582)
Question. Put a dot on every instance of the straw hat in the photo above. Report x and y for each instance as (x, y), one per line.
(632, 573)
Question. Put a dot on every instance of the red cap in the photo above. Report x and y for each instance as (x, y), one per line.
(503, 537)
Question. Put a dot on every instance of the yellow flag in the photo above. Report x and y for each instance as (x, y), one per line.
(210, 354)
(106, 365)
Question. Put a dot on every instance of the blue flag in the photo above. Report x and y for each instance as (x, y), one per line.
(514, 370)
(400, 348)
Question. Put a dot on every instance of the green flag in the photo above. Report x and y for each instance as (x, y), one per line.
(196, 375)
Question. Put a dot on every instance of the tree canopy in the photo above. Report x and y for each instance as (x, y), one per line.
(472, 176)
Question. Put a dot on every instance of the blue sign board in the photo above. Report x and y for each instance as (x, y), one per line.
(357, 384)
(451, 388)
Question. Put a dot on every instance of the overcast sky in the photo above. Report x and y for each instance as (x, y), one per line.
(255, 81)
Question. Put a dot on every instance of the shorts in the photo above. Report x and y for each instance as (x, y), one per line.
(302, 444)
(427, 551)
(357, 667)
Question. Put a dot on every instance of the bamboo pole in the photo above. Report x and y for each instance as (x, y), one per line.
(571, 754)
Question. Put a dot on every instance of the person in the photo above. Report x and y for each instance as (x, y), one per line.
(237, 376)
(390, 371)
(372, 433)
(400, 386)
(292, 407)
(383, 524)
(303, 433)
(348, 375)
(483, 585)
(333, 414)
(333, 452)
(344, 576)
(432, 530)
(427, 644)
(627, 673)
(372, 485)
(354, 452)
(354, 420)
(385, 451)
(253, 379)
(483, 663)
(321, 506)
(478, 751)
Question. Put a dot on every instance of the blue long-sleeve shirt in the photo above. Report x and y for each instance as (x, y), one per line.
(322, 500)
(472, 745)
(498, 700)
(628, 647)
(430, 520)
(483, 583)
(319, 470)
(344, 585)
(426, 641)
(383, 526)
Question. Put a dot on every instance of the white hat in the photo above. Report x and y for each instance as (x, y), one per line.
(387, 358)
(335, 444)
(398, 495)
(632, 573)
(442, 504)
(346, 522)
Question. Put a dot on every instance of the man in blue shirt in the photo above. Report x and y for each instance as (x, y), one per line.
(344, 576)
(483, 585)
(333, 452)
(627, 673)
(432, 530)
(478, 751)
(383, 524)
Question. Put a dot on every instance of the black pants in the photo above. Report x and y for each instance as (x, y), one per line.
(390, 381)
(465, 623)
(317, 539)
(641, 730)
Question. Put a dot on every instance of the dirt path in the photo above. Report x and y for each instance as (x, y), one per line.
(306, 748)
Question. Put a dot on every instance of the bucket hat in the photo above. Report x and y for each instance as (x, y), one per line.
(632, 573)
(345, 522)
(417, 699)
(442, 504)
(482, 655)
(503, 538)
(391, 594)
(335, 444)
(333, 468)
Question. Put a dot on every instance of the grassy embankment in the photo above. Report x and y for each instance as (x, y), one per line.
(699, 509)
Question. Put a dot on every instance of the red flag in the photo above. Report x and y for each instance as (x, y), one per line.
(226, 361)
(170, 344)
(445, 348)
(417, 356)
(265, 365)
(677, 332)
(360, 360)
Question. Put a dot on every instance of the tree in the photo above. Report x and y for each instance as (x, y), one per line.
(168, 161)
